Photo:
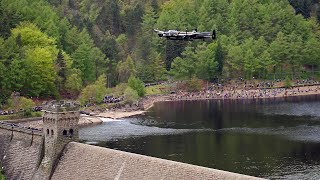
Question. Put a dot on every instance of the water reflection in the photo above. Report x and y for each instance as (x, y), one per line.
(273, 139)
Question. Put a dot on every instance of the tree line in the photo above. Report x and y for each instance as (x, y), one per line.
(58, 47)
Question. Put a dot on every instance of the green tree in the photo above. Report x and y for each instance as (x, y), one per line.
(295, 52)
(16, 76)
(101, 89)
(146, 45)
(194, 84)
(184, 68)
(206, 63)
(61, 70)
(20, 102)
(158, 68)
(126, 69)
(279, 51)
(131, 96)
(287, 82)
(146, 37)
(220, 55)
(213, 15)
(83, 60)
(266, 63)
(34, 74)
(41, 75)
(137, 85)
(311, 52)
(72, 40)
(235, 60)
(31, 36)
(94, 93)
(100, 62)
(3, 82)
(74, 82)
(177, 14)
(132, 17)
(90, 11)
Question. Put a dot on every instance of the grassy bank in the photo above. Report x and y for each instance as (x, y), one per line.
(2, 177)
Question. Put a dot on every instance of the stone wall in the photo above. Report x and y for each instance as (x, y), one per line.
(81, 161)
(59, 128)
(20, 153)
(5, 137)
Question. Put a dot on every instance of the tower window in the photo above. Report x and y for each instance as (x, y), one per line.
(71, 132)
(52, 133)
(47, 131)
(65, 132)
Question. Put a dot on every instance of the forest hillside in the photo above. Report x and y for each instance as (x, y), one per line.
(63, 48)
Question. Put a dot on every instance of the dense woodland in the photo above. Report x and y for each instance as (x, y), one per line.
(54, 48)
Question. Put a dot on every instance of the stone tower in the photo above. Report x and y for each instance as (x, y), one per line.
(60, 126)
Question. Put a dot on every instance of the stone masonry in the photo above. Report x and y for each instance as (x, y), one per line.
(60, 126)
(81, 161)
(20, 152)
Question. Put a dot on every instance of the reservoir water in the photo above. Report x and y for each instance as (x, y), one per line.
(274, 139)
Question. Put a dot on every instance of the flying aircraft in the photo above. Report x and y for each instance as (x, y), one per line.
(185, 35)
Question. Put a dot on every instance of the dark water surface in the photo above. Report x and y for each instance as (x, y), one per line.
(275, 139)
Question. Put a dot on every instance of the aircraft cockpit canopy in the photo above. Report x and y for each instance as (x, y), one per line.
(172, 32)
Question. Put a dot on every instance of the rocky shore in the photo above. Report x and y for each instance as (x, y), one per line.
(231, 93)
(147, 102)
(120, 114)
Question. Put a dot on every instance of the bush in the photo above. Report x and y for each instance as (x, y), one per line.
(287, 82)
(137, 85)
(131, 96)
(27, 113)
(119, 89)
(26, 103)
(2, 177)
(19, 102)
(194, 84)
(94, 93)
(157, 89)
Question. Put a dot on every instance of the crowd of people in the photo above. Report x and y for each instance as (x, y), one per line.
(12, 111)
(111, 99)
(240, 89)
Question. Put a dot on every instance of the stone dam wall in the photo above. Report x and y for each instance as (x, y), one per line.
(20, 151)
(81, 161)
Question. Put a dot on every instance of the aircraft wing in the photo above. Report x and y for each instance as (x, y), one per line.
(158, 31)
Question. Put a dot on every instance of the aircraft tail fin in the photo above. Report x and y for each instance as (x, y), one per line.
(214, 35)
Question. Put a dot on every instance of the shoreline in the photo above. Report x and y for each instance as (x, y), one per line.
(148, 102)
(119, 114)
(253, 94)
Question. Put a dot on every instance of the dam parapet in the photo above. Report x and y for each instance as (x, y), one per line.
(15, 127)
